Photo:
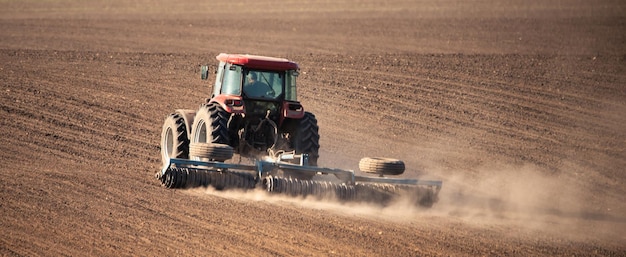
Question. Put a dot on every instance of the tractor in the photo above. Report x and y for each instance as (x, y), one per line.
(254, 112)
(253, 108)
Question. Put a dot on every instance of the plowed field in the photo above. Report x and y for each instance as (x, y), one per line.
(518, 106)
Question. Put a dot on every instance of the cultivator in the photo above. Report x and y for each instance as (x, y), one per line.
(344, 186)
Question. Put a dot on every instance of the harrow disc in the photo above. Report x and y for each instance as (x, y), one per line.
(188, 178)
(424, 196)
(319, 189)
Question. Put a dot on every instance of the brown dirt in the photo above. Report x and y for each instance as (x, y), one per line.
(518, 106)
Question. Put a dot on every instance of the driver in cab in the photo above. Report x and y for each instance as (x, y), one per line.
(255, 88)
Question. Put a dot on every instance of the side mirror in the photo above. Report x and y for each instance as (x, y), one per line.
(204, 72)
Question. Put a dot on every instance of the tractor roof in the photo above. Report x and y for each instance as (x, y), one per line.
(258, 62)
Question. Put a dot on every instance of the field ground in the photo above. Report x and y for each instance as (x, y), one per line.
(518, 106)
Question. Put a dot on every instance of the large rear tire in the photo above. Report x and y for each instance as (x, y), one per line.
(210, 125)
(306, 138)
(174, 138)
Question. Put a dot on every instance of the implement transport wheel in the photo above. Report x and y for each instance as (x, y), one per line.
(174, 138)
(216, 152)
(384, 166)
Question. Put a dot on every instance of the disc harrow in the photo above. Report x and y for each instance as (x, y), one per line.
(185, 173)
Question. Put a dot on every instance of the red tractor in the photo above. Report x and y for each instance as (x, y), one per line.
(254, 112)
(253, 109)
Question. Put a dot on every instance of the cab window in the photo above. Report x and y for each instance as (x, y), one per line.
(218, 79)
(231, 84)
(290, 85)
(263, 84)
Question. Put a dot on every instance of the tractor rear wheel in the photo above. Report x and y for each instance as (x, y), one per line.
(306, 138)
(210, 125)
(174, 138)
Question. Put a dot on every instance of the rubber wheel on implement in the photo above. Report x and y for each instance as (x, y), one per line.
(216, 152)
(378, 165)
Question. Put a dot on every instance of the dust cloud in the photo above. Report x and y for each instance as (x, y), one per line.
(512, 198)
(526, 198)
(518, 197)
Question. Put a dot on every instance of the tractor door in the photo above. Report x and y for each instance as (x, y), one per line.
(231, 80)
(227, 79)
(218, 79)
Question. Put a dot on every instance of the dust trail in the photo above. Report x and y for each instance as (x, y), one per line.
(525, 197)
(310, 202)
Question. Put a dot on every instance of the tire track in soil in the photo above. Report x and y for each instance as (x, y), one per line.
(73, 127)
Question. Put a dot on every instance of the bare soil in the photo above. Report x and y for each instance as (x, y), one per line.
(518, 106)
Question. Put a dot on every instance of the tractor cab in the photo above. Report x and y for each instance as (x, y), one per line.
(256, 86)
